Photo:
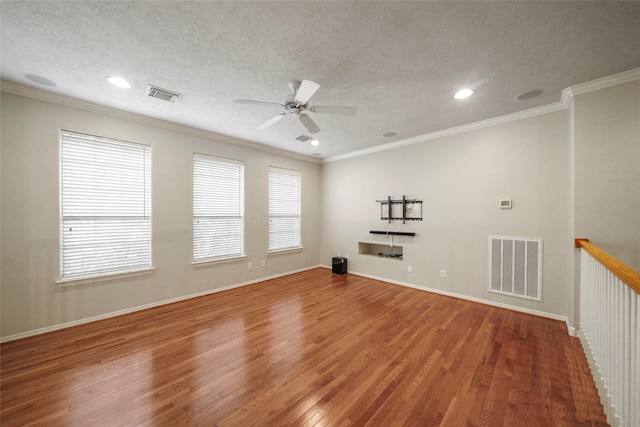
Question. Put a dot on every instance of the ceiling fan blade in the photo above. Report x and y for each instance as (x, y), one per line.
(305, 91)
(271, 121)
(249, 101)
(311, 126)
(326, 109)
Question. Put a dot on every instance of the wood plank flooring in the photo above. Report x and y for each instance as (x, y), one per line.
(311, 348)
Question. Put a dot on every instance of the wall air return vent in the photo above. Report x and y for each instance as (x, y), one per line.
(163, 94)
(515, 266)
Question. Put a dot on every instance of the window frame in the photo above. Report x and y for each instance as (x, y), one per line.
(100, 275)
(298, 175)
(241, 199)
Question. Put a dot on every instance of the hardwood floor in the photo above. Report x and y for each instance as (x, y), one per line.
(308, 349)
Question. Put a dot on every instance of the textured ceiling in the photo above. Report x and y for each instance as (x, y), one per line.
(399, 63)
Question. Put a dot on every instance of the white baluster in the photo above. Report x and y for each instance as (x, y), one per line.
(610, 334)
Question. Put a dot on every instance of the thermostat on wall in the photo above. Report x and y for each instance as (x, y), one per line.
(505, 203)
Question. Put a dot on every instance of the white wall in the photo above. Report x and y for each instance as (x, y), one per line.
(461, 179)
(607, 170)
(30, 217)
(606, 175)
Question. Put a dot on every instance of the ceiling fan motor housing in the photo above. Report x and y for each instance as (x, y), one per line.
(295, 108)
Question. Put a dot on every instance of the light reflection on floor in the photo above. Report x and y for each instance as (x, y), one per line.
(286, 333)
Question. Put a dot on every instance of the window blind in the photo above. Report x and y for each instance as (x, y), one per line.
(218, 208)
(105, 205)
(284, 209)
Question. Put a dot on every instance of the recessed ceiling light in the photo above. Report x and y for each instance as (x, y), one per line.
(530, 94)
(40, 80)
(463, 93)
(119, 82)
(315, 142)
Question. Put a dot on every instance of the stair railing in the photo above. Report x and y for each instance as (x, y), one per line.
(609, 330)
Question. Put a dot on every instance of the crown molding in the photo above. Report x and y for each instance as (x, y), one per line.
(532, 112)
(565, 99)
(604, 82)
(55, 98)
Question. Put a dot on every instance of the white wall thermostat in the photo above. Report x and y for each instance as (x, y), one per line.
(505, 203)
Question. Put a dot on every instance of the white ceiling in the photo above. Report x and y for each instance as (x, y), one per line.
(399, 63)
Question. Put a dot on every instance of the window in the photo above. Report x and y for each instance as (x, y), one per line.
(284, 209)
(218, 208)
(105, 205)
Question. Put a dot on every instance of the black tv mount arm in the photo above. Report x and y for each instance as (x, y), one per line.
(404, 202)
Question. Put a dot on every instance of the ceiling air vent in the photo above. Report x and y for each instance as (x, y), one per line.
(163, 94)
(304, 138)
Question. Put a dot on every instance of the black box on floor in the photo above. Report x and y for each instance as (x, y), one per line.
(339, 265)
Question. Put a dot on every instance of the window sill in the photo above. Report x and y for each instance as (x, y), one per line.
(107, 277)
(213, 261)
(285, 250)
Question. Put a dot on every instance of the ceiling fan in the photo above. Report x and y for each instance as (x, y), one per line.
(297, 105)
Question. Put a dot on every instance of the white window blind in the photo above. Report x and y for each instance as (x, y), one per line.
(105, 205)
(284, 209)
(218, 208)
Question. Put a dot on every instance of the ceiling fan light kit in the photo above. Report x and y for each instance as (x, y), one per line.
(297, 105)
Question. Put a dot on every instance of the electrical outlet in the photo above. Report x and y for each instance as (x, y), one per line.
(443, 273)
(249, 265)
(264, 262)
(409, 269)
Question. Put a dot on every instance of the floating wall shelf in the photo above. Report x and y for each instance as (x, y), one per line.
(393, 233)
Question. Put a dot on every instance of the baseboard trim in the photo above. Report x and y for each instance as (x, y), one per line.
(545, 314)
(571, 330)
(146, 306)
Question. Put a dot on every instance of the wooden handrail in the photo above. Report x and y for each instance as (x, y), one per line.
(625, 273)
